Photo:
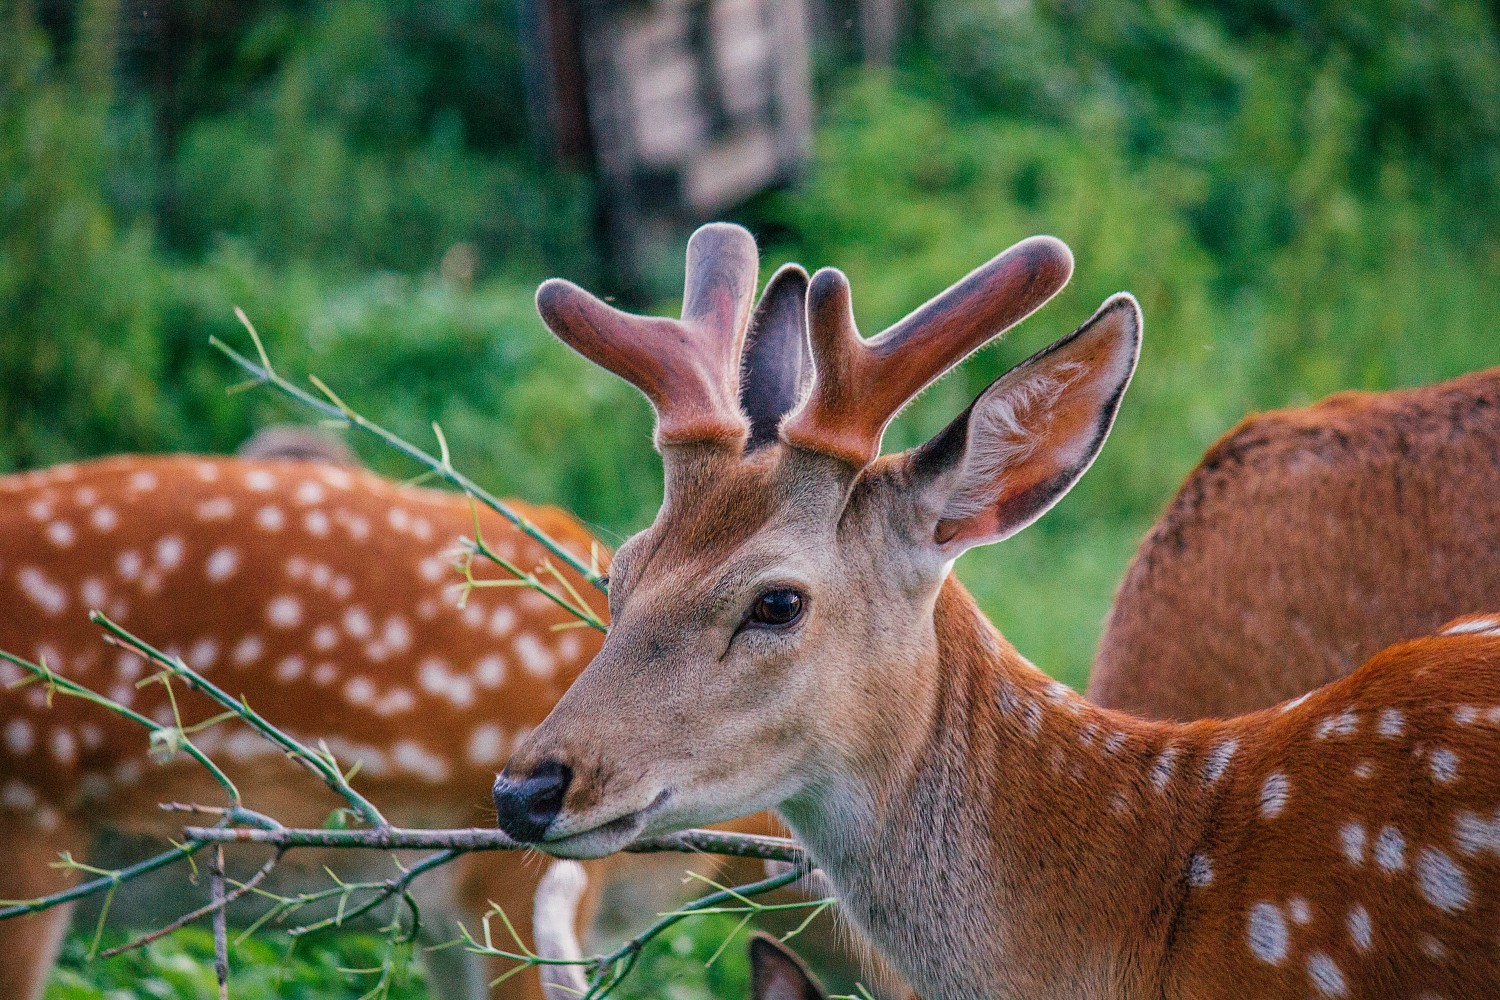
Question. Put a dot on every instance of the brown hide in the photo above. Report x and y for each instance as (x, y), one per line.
(1306, 541)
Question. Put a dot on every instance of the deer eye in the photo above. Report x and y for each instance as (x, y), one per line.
(777, 607)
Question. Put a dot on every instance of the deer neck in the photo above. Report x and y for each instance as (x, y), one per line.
(1027, 843)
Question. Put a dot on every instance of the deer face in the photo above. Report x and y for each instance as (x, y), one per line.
(770, 630)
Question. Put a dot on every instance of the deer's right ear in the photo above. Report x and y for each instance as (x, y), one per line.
(1029, 437)
(777, 974)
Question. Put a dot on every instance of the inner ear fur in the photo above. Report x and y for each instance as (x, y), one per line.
(1024, 442)
(777, 974)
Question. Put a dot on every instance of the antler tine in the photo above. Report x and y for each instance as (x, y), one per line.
(688, 368)
(859, 385)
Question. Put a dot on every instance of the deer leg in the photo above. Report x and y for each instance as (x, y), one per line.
(29, 944)
(510, 882)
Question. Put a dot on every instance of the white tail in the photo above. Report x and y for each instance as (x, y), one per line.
(788, 633)
(324, 594)
(1305, 542)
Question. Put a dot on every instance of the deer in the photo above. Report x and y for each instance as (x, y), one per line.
(788, 634)
(1304, 542)
(322, 592)
(776, 973)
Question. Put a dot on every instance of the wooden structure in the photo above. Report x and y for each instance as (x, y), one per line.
(684, 107)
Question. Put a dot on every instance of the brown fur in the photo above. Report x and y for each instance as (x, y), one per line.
(382, 549)
(993, 833)
(1303, 543)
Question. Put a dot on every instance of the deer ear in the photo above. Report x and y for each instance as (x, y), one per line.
(1029, 437)
(777, 974)
(776, 363)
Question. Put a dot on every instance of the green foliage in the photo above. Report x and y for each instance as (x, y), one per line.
(267, 967)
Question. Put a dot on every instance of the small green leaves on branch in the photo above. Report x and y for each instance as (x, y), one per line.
(337, 410)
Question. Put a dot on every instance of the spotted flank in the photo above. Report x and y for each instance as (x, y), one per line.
(327, 595)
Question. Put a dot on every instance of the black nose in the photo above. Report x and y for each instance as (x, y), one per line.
(525, 807)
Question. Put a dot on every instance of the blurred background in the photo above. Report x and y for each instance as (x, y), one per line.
(1304, 195)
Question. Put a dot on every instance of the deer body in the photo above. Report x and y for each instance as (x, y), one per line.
(324, 594)
(1305, 542)
(992, 833)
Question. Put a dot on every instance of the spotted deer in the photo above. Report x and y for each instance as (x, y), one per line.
(1306, 541)
(788, 634)
(325, 595)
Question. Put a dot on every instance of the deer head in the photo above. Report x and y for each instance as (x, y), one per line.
(770, 627)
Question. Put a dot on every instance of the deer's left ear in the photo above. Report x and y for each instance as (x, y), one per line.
(1028, 437)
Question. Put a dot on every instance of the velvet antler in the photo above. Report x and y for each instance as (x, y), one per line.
(859, 385)
(688, 368)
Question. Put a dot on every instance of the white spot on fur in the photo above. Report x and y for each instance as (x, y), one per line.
(397, 634)
(93, 592)
(1200, 871)
(1267, 933)
(309, 492)
(204, 654)
(1364, 770)
(1161, 771)
(45, 594)
(217, 509)
(1473, 833)
(502, 620)
(357, 622)
(143, 482)
(395, 701)
(1391, 723)
(20, 736)
(169, 552)
(1352, 839)
(221, 564)
(324, 674)
(290, 669)
(486, 744)
(324, 638)
(1360, 930)
(1432, 948)
(1444, 765)
(414, 758)
(260, 480)
(1442, 882)
(360, 691)
(1343, 724)
(1218, 760)
(534, 657)
(64, 746)
(1390, 849)
(270, 518)
(248, 650)
(1299, 909)
(284, 611)
(1465, 715)
(61, 534)
(1273, 795)
(104, 519)
(490, 672)
(1325, 975)
(316, 523)
(128, 564)
(17, 796)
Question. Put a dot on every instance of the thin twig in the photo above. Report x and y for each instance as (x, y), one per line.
(211, 907)
(336, 409)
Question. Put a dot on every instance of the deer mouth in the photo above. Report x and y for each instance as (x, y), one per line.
(603, 838)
